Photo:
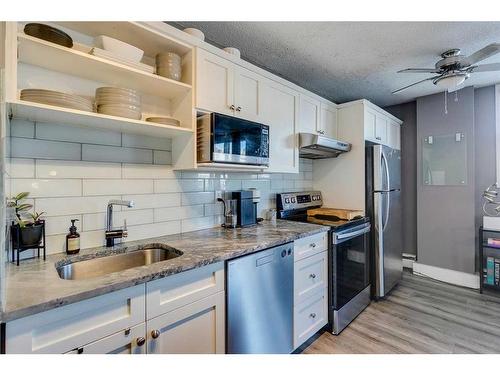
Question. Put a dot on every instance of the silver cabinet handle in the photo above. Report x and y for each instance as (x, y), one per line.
(312, 276)
(155, 333)
(313, 315)
(140, 341)
(232, 107)
(238, 108)
(313, 245)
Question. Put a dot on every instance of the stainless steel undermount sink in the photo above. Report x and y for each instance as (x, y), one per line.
(89, 268)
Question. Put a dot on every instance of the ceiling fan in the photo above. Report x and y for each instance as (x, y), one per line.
(454, 68)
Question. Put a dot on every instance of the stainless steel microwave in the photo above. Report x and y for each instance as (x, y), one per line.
(231, 140)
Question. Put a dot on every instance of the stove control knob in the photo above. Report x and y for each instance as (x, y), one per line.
(287, 200)
(293, 200)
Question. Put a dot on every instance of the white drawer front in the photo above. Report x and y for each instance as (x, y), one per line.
(310, 276)
(309, 317)
(174, 291)
(307, 246)
(66, 328)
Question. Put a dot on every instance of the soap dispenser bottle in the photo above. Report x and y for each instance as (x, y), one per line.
(73, 239)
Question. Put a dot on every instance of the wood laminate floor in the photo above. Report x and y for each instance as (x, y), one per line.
(420, 316)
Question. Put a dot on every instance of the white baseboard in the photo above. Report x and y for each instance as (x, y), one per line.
(408, 263)
(467, 280)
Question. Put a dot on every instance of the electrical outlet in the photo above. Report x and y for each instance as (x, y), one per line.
(219, 194)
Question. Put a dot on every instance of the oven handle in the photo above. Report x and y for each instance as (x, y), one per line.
(338, 238)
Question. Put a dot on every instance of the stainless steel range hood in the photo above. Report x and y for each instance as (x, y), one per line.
(315, 146)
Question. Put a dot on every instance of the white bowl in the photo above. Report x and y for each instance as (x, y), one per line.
(119, 48)
(233, 51)
(195, 32)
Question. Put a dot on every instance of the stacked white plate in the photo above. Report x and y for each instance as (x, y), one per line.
(164, 121)
(115, 101)
(57, 98)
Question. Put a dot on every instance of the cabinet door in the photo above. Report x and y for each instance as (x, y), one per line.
(328, 120)
(370, 120)
(381, 123)
(309, 115)
(127, 341)
(197, 328)
(279, 106)
(394, 135)
(310, 277)
(214, 83)
(246, 94)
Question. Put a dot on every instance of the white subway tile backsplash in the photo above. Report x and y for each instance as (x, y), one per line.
(77, 169)
(71, 133)
(22, 128)
(176, 213)
(148, 171)
(116, 154)
(154, 200)
(110, 187)
(197, 198)
(162, 157)
(142, 141)
(47, 188)
(34, 148)
(22, 168)
(98, 166)
(73, 205)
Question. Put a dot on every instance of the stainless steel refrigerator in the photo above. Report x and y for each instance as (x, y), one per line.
(383, 178)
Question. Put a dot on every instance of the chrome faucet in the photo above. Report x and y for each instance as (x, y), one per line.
(111, 233)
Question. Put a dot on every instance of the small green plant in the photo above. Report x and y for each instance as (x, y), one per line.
(23, 217)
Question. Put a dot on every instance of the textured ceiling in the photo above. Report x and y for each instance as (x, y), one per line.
(344, 61)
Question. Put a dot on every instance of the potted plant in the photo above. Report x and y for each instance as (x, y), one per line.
(28, 226)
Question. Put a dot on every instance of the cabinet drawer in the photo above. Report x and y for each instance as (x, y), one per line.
(73, 326)
(174, 291)
(307, 246)
(310, 276)
(309, 317)
(124, 342)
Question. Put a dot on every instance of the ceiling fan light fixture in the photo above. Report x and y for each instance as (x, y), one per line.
(450, 81)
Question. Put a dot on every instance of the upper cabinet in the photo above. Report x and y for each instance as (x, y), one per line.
(279, 106)
(328, 120)
(223, 87)
(381, 128)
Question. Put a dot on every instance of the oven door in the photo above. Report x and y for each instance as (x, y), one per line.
(239, 141)
(349, 264)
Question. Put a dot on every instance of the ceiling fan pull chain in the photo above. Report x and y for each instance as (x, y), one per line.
(445, 102)
(456, 96)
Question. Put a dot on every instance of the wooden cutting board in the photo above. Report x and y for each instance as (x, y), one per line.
(339, 212)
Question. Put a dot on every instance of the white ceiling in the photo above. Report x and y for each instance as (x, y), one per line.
(344, 61)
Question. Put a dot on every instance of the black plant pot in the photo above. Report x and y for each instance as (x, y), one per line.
(30, 235)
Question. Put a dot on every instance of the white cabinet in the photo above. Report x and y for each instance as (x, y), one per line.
(214, 83)
(310, 285)
(197, 328)
(328, 120)
(279, 106)
(129, 341)
(224, 87)
(394, 130)
(309, 114)
(73, 326)
(370, 121)
(380, 128)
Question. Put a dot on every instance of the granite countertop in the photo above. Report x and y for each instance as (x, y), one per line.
(35, 285)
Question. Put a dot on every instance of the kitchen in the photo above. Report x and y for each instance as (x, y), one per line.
(209, 217)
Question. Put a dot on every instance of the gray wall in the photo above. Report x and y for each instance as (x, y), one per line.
(408, 113)
(445, 214)
(484, 139)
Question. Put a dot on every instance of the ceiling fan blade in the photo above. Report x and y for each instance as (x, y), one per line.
(413, 84)
(483, 53)
(485, 68)
(420, 70)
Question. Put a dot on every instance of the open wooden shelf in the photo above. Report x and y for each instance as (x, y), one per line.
(54, 57)
(51, 114)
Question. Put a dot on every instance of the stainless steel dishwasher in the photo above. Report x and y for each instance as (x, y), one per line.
(260, 302)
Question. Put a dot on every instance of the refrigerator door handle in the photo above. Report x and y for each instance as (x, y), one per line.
(387, 175)
(387, 211)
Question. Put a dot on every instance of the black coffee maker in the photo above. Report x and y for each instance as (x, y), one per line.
(246, 206)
